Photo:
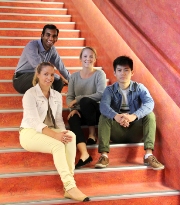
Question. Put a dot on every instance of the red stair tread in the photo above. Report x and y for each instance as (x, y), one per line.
(32, 4)
(12, 62)
(29, 33)
(48, 194)
(62, 18)
(62, 51)
(34, 11)
(37, 25)
(23, 42)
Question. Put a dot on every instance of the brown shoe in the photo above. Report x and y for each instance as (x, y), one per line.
(153, 162)
(102, 162)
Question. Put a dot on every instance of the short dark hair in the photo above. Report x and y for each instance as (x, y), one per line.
(123, 61)
(50, 26)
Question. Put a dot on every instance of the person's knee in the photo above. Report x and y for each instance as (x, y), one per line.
(150, 117)
(85, 102)
(104, 120)
(73, 119)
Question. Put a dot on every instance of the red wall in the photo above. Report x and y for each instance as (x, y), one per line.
(121, 36)
(150, 29)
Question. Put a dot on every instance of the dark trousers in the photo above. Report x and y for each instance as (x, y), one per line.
(23, 81)
(89, 111)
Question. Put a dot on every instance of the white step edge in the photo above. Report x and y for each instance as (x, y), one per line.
(10, 150)
(57, 47)
(38, 2)
(78, 171)
(29, 29)
(49, 15)
(15, 129)
(37, 22)
(10, 81)
(32, 8)
(21, 110)
(68, 68)
(32, 38)
(18, 94)
(102, 198)
(62, 57)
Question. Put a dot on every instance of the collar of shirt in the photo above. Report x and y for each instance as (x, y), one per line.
(40, 93)
(131, 88)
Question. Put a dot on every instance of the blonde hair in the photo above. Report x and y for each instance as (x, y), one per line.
(90, 48)
(38, 71)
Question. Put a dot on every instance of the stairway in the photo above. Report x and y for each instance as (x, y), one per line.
(30, 178)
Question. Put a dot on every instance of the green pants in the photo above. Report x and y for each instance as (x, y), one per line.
(143, 129)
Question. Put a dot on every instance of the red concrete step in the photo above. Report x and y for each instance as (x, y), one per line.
(120, 155)
(12, 118)
(6, 73)
(22, 41)
(33, 4)
(6, 87)
(15, 101)
(22, 32)
(17, 50)
(33, 10)
(35, 17)
(9, 138)
(35, 24)
(8, 61)
(139, 193)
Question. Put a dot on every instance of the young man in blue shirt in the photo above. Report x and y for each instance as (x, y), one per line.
(36, 52)
(126, 115)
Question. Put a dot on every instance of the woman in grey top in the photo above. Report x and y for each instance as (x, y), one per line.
(84, 93)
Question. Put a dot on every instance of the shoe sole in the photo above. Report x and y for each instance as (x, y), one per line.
(101, 166)
(83, 165)
(158, 168)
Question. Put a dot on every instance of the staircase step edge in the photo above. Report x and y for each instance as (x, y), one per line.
(102, 198)
(78, 171)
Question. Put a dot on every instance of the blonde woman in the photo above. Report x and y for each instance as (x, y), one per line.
(85, 89)
(42, 128)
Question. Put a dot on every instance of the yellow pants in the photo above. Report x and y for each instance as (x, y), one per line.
(63, 154)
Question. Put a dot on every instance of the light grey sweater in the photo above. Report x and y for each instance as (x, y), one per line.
(91, 87)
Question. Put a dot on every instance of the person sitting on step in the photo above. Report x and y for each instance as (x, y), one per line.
(42, 128)
(85, 89)
(126, 115)
(36, 52)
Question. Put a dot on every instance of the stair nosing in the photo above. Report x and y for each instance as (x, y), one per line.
(68, 68)
(10, 150)
(38, 8)
(37, 29)
(20, 110)
(49, 15)
(62, 57)
(27, 38)
(10, 81)
(57, 47)
(80, 171)
(38, 2)
(100, 198)
(37, 22)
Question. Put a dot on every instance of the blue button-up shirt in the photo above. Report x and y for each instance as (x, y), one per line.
(34, 54)
(139, 99)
